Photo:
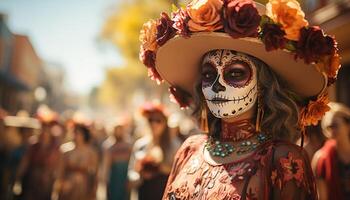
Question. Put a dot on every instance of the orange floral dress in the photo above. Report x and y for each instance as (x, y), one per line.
(276, 170)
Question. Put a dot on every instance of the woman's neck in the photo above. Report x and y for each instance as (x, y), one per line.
(237, 131)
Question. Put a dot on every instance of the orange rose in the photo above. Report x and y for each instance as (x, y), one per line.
(314, 111)
(289, 14)
(148, 36)
(330, 65)
(204, 15)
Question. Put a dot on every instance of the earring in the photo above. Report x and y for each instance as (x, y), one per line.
(204, 120)
(260, 112)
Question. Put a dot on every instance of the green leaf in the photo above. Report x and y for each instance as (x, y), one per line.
(290, 46)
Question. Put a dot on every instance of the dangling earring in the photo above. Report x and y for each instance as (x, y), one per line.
(204, 120)
(260, 112)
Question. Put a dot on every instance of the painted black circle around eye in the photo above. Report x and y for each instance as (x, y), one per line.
(237, 74)
(209, 74)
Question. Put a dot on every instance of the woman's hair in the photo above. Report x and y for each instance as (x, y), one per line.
(165, 139)
(280, 110)
(84, 131)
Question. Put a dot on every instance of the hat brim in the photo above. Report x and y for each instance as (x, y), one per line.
(178, 61)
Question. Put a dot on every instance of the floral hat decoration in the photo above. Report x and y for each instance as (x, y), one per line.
(278, 34)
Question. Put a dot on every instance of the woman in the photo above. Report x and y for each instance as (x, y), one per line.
(80, 167)
(41, 165)
(116, 160)
(239, 65)
(331, 163)
(152, 155)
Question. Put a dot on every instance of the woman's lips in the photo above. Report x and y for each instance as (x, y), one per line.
(218, 100)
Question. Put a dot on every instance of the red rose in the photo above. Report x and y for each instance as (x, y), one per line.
(241, 19)
(180, 96)
(148, 58)
(165, 30)
(181, 19)
(273, 37)
(313, 44)
(154, 75)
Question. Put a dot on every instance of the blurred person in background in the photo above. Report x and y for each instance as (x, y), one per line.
(115, 163)
(79, 175)
(314, 139)
(331, 164)
(152, 155)
(42, 162)
(16, 139)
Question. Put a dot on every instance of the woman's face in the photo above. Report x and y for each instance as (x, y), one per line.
(229, 83)
(157, 123)
(339, 128)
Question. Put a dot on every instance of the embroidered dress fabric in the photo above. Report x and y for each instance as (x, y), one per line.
(273, 170)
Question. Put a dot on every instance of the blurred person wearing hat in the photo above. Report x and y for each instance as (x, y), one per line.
(15, 141)
(331, 164)
(79, 175)
(42, 162)
(116, 157)
(152, 155)
(255, 76)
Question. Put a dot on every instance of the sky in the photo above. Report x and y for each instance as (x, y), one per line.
(66, 32)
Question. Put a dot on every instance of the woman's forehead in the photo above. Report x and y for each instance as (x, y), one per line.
(223, 56)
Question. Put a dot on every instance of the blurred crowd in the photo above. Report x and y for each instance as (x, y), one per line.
(47, 157)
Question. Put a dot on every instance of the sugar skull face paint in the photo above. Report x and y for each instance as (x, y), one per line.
(229, 82)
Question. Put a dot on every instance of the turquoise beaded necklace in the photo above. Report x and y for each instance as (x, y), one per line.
(219, 149)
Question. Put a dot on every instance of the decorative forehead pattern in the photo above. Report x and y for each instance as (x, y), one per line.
(222, 57)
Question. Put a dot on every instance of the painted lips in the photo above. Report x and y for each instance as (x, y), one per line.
(218, 100)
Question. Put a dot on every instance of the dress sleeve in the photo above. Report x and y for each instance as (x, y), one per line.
(291, 174)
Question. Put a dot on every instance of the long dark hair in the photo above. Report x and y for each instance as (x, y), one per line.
(281, 111)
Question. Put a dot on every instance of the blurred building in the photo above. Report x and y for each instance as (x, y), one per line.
(21, 70)
(334, 17)
(25, 80)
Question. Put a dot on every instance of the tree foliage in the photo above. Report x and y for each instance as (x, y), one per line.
(122, 29)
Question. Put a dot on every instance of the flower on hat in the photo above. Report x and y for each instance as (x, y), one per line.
(241, 18)
(148, 58)
(181, 18)
(288, 13)
(179, 96)
(204, 15)
(314, 111)
(314, 44)
(148, 36)
(273, 37)
(165, 30)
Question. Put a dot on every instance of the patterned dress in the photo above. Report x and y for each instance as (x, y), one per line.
(276, 170)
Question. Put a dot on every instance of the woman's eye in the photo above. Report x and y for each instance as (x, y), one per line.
(238, 74)
(209, 74)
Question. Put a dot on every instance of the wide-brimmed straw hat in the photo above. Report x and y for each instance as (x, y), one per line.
(278, 34)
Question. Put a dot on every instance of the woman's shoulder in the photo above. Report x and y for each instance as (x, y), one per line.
(189, 147)
(291, 170)
(283, 148)
(193, 142)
